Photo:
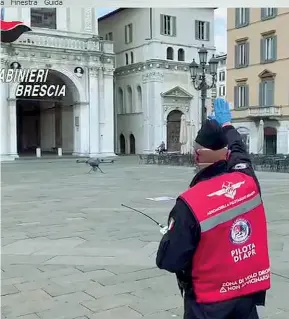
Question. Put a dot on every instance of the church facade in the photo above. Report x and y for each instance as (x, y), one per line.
(153, 88)
(65, 42)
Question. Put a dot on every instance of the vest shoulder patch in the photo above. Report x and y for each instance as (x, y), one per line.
(241, 166)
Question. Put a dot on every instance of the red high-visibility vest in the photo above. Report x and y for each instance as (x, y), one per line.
(232, 258)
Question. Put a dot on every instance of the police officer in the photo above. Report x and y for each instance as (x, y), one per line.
(216, 238)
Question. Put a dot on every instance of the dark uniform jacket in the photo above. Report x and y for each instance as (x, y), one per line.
(179, 244)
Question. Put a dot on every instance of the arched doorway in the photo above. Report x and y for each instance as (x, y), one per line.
(132, 144)
(270, 141)
(122, 144)
(173, 131)
(47, 122)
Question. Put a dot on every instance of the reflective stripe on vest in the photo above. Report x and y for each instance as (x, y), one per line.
(229, 214)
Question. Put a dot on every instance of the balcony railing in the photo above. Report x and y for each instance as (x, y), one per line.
(64, 40)
(264, 111)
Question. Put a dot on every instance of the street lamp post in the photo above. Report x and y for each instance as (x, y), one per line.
(200, 70)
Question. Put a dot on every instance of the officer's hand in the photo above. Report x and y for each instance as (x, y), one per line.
(164, 230)
(222, 113)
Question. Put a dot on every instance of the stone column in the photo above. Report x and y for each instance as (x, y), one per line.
(153, 121)
(107, 135)
(94, 132)
(12, 128)
(146, 116)
(4, 115)
(61, 18)
(158, 112)
(81, 129)
(87, 19)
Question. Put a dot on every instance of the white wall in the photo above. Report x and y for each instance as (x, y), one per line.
(185, 28)
(155, 48)
(131, 124)
(152, 107)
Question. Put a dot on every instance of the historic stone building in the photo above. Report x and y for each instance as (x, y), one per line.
(153, 88)
(66, 42)
(257, 77)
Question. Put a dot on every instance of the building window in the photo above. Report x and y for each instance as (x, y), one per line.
(222, 90)
(222, 76)
(181, 55)
(241, 96)
(43, 18)
(268, 48)
(126, 59)
(128, 33)
(139, 98)
(129, 100)
(131, 58)
(170, 53)
(266, 92)
(109, 36)
(120, 101)
(268, 13)
(168, 25)
(202, 30)
(242, 17)
(242, 55)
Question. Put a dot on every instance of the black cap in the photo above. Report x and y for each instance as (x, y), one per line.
(211, 136)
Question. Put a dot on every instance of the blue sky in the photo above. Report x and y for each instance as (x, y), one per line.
(220, 27)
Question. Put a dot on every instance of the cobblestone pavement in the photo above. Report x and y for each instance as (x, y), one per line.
(69, 250)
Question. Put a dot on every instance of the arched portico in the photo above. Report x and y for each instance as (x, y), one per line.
(49, 122)
(67, 76)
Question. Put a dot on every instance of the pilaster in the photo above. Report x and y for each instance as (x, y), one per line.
(12, 128)
(94, 131)
(4, 115)
(153, 129)
(108, 133)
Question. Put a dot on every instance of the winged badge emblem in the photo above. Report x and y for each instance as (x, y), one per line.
(228, 189)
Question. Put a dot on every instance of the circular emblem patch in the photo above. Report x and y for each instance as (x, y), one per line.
(240, 231)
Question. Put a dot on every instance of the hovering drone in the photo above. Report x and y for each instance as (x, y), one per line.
(94, 163)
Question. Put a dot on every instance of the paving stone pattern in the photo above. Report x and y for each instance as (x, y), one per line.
(71, 251)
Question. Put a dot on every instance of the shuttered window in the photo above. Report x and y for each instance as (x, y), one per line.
(242, 17)
(202, 30)
(268, 13)
(168, 25)
(109, 36)
(241, 96)
(268, 49)
(222, 90)
(128, 33)
(242, 53)
(43, 18)
(222, 76)
(266, 93)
